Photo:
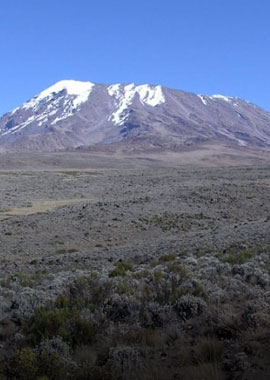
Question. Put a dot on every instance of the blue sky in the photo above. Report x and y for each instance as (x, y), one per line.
(202, 46)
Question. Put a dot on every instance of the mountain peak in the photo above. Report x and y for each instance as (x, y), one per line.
(81, 90)
(73, 87)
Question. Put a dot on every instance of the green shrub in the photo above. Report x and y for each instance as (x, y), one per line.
(198, 291)
(23, 365)
(177, 268)
(158, 275)
(166, 258)
(82, 332)
(88, 292)
(238, 257)
(50, 366)
(66, 323)
(45, 324)
(121, 269)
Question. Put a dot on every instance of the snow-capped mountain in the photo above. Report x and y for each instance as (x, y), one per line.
(71, 114)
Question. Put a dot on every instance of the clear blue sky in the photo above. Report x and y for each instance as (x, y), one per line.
(202, 46)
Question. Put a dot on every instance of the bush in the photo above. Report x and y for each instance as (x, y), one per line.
(23, 365)
(120, 269)
(189, 307)
(166, 258)
(51, 366)
(238, 257)
(120, 308)
(45, 324)
(65, 323)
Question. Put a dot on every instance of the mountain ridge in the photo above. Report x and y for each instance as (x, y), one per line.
(72, 114)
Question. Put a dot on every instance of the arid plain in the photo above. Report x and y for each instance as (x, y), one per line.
(202, 223)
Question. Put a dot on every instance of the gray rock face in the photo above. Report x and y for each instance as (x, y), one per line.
(73, 114)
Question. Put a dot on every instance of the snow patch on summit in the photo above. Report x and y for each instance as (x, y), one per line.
(227, 99)
(79, 90)
(203, 99)
(47, 104)
(124, 95)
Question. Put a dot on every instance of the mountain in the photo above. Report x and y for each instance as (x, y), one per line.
(72, 114)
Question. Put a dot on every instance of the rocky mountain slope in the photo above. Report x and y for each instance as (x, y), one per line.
(73, 114)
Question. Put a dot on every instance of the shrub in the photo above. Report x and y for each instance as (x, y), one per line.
(120, 308)
(177, 268)
(82, 332)
(45, 324)
(124, 358)
(166, 258)
(88, 292)
(120, 269)
(188, 307)
(54, 346)
(238, 257)
(23, 365)
(51, 366)
(154, 315)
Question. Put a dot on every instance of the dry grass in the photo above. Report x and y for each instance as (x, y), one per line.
(39, 206)
(205, 371)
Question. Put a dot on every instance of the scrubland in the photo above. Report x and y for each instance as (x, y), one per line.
(144, 272)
